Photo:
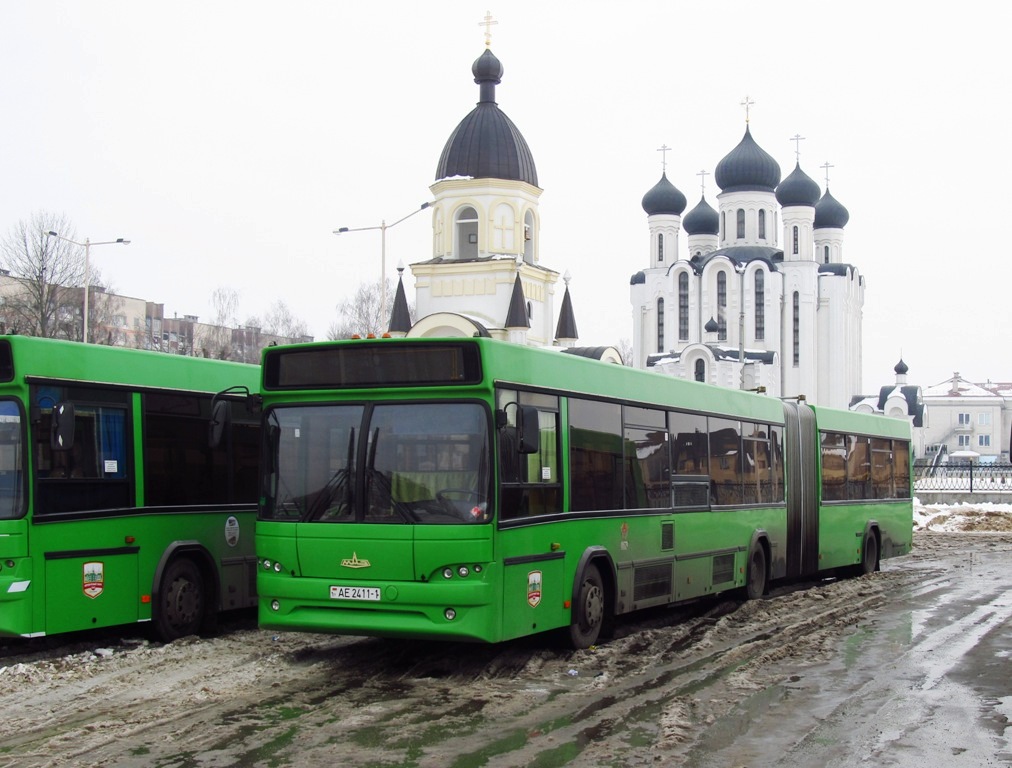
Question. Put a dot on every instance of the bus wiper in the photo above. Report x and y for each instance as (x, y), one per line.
(334, 485)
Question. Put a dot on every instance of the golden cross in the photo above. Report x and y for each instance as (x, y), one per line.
(747, 103)
(664, 149)
(488, 23)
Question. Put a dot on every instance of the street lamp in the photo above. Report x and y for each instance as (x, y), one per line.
(383, 227)
(87, 262)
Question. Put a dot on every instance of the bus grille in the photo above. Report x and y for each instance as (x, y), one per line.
(723, 569)
(652, 581)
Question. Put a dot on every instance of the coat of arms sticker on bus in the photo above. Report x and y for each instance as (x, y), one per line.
(94, 579)
(534, 588)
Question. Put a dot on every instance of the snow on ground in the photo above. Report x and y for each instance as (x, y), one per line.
(962, 517)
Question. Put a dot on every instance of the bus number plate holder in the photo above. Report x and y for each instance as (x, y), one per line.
(371, 594)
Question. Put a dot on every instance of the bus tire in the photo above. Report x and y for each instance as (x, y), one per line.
(181, 601)
(869, 554)
(755, 575)
(588, 610)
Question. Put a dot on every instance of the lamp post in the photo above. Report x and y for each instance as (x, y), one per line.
(383, 227)
(87, 244)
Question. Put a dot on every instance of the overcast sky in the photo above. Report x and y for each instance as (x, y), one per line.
(227, 140)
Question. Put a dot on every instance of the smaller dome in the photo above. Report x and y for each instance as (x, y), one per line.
(747, 167)
(901, 368)
(664, 197)
(640, 278)
(798, 189)
(712, 326)
(830, 214)
(701, 220)
(487, 68)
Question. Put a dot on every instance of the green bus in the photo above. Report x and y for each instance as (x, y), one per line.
(113, 509)
(479, 490)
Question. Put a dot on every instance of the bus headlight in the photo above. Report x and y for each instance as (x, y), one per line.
(267, 565)
(450, 614)
(447, 573)
(277, 567)
(275, 605)
(463, 572)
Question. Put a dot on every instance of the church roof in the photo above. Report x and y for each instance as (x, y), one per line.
(747, 167)
(516, 316)
(664, 197)
(486, 144)
(741, 254)
(400, 317)
(798, 189)
(830, 213)
(566, 328)
(701, 220)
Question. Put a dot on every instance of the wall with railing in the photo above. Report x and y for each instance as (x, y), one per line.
(954, 483)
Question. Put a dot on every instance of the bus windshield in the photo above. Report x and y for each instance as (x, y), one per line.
(406, 463)
(11, 461)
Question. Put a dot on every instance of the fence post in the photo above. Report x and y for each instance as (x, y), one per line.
(971, 477)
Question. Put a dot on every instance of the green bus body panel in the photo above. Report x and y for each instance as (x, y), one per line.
(530, 566)
(100, 568)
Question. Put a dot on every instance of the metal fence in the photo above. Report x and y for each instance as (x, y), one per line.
(963, 477)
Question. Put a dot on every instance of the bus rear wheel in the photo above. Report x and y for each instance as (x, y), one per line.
(869, 554)
(588, 610)
(181, 601)
(755, 578)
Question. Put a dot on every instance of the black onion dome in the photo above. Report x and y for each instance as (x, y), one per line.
(701, 220)
(747, 166)
(830, 213)
(486, 144)
(798, 189)
(664, 197)
(901, 368)
(640, 278)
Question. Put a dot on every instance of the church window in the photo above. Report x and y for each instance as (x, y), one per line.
(530, 311)
(660, 247)
(741, 223)
(466, 235)
(660, 325)
(797, 329)
(760, 305)
(721, 306)
(795, 246)
(723, 223)
(700, 372)
(683, 307)
(528, 238)
(762, 225)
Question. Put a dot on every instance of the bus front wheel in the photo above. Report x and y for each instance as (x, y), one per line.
(869, 555)
(588, 610)
(755, 579)
(181, 601)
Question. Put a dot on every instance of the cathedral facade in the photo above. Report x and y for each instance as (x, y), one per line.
(738, 309)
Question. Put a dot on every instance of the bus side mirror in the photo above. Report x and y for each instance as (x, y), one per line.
(61, 435)
(221, 417)
(530, 441)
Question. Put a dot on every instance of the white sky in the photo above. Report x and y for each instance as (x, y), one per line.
(228, 139)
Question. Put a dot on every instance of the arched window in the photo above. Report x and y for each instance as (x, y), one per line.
(723, 224)
(795, 235)
(466, 233)
(700, 373)
(660, 246)
(721, 306)
(825, 254)
(530, 311)
(528, 238)
(797, 329)
(760, 305)
(683, 307)
(660, 325)
(762, 225)
(741, 223)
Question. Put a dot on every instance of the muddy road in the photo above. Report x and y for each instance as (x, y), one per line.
(911, 666)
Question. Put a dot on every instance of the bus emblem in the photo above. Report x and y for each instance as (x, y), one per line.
(93, 579)
(534, 588)
(354, 562)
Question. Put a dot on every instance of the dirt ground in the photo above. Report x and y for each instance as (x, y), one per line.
(824, 673)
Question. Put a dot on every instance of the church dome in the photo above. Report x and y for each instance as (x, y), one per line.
(747, 167)
(664, 197)
(640, 278)
(486, 144)
(901, 368)
(830, 214)
(798, 189)
(701, 220)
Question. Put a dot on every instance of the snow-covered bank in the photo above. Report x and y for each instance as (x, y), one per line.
(962, 517)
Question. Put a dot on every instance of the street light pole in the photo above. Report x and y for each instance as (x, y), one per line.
(87, 261)
(383, 227)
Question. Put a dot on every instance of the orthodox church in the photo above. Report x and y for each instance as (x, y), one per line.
(485, 277)
(738, 309)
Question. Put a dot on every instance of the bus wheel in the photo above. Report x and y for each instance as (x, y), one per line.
(588, 611)
(180, 601)
(869, 554)
(755, 579)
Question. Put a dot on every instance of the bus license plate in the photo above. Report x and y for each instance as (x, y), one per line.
(355, 593)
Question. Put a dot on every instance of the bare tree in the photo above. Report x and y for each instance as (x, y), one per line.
(280, 322)
(225, 306)
(361, 314)
(44, 297)
(625, 349)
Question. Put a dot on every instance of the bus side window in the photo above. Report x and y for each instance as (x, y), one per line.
(528, 454)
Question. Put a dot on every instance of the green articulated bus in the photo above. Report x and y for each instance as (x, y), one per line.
(479, 490)
(113, 509)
